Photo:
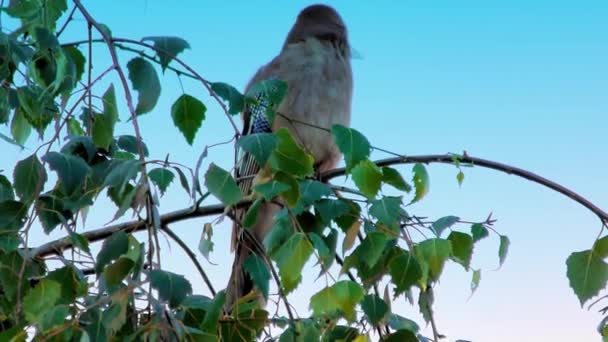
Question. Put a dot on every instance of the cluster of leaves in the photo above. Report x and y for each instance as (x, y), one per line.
(314, 219)
(130, 297)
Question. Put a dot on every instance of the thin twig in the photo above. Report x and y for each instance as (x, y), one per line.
(67, 21)
(165, 228)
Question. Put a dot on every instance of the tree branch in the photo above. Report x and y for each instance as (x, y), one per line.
(190, 254)
(488, 164)
(58, 246)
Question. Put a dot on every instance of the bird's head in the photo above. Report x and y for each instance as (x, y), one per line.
(321, 22)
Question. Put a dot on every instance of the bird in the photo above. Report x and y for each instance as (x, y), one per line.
(314, 62)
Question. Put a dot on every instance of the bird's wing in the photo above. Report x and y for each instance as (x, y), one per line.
(254, 121)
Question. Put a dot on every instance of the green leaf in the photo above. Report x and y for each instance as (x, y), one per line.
(212, 315)
(289, 157)
(145, 80)
(221, 184)
(170, 286)
(346, 221)
(72, 284)
(205, 244)
(116, 315)
(350, 237)
(280, 232)
(29, 177)
(41, 300)
(162, 178)
(462, 248)
(37, 107)
(368, 178)
(600, 247)
(401, 336)
(246, 326)
(291, 195)
(460, 178)
(81, 146)
(114, 273)
(258, 271)
(251, 215)
(54, 317)
(340, 333)
(405, 272)
(343, 296)
(475, 280)
(20, 128)
(327, 256)
(291, 258)
(96, 330)
(130, 144)
(236, 100)
(329, 209)
(375, 308)
(323, 253)
(77, 58)
(80, 242)
(443, 223)
(5, 109)
(587, 273)
(188, 114)
(182, 179)
(310, 192)
(393, 177)
(421, 182)
(6, 189)
(167, 48)
(10, 140)
(387, 210)
(425, 304)
(398, 322)
(260, 145)
(23, 8)
(372, 247)
(65, 78)
(301, 331)
(113, 247)
(14, 334)
(121, 173)
(478, 231)
(271, 189)
(10, 280)
(434, 253)
(9, 241)
(503, 249)
(71, 170)
(12, 215)
(103, 124)
(353, 145)
(74, 127)
(51, 213)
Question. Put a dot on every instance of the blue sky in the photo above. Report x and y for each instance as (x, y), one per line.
(520, 82)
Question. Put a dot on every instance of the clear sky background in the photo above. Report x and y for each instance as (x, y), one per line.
(520, 82)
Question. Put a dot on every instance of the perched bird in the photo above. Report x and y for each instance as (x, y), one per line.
(315, 63)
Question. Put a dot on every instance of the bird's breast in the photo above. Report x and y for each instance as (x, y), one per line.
(319, 95)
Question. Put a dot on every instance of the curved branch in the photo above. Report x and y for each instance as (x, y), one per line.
(58, 246)
(489, 164)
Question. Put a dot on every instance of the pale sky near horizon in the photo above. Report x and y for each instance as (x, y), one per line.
(520, 82)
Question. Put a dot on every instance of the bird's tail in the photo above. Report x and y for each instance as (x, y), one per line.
(240, 283)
